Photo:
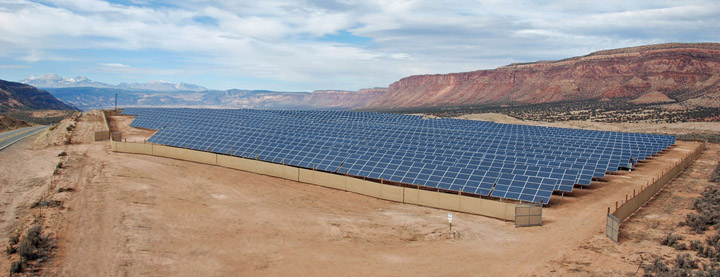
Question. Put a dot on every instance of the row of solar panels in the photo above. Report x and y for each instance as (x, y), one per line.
(535, 131)
(618, 156)
(517, 162)
(650, 146)
(620, 163)
(615, 156)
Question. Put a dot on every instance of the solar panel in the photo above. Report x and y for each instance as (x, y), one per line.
(519, 162)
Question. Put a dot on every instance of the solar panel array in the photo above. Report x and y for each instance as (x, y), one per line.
(519, 162)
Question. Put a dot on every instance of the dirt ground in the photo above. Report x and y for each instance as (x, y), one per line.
(142, 215)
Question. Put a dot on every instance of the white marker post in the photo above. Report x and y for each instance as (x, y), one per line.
(450, 221)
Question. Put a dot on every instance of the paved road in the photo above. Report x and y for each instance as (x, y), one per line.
(8, 138)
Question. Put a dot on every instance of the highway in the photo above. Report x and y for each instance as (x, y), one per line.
(8, 138)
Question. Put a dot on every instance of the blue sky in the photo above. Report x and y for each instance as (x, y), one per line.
(304, 45)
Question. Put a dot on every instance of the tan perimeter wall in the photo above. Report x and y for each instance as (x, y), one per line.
(104, 134)
(634, 203)
(454, 202)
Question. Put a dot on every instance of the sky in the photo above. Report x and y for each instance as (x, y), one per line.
(305, 45)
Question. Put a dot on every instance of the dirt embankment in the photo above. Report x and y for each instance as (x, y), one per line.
(129, 134)
(9, 123)
(142, 215)
(37, 179)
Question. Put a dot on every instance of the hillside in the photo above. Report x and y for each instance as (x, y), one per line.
(8, 123)
(684, 75)
(18, 96)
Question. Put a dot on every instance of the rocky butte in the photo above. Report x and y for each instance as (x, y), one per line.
(686, 75)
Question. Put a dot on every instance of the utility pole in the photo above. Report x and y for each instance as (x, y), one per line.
(115, 102)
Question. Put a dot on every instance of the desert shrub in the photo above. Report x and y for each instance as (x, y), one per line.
(66, 189)
(680, 246)
(684, 261)
(658, 267)
(16, 267)
(14, 239)
(696, 222)
(10, 250)
(699, 137)
(12, 242)
(713, 240)
(27, 250)
(671, 239)
(708, 252)
(33, 245)
(34, 235)
(45, 203)
(695, 245)
(708, 208)
(716, 175)
(62, 154)
(59, 165)
(709, 271)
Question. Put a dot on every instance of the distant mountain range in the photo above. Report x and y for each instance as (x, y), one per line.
(676, 75)
(87, 94)
(18, 96)
(55, 81)
(87, 98)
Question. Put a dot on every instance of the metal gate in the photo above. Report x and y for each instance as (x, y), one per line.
(612, 227)
(528, 215)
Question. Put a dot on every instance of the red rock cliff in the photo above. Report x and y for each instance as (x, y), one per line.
(683, 72)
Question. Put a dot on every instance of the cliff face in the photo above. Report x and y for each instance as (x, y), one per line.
(686, 73)
(17, 96)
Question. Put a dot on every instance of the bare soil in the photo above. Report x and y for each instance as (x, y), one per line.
(142, 215)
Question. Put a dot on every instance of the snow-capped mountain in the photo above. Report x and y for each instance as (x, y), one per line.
(161, 85)
(55, 81)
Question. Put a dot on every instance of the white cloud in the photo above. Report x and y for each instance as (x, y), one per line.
(281, 40)
(115, 65)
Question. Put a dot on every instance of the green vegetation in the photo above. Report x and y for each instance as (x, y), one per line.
(684, 264)
(716, 175)
(708, 211)
(706, 260)
(672, 240)
(615, 110)
(46, 203)
(66, 190)
(32, 249)
(714, 138)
